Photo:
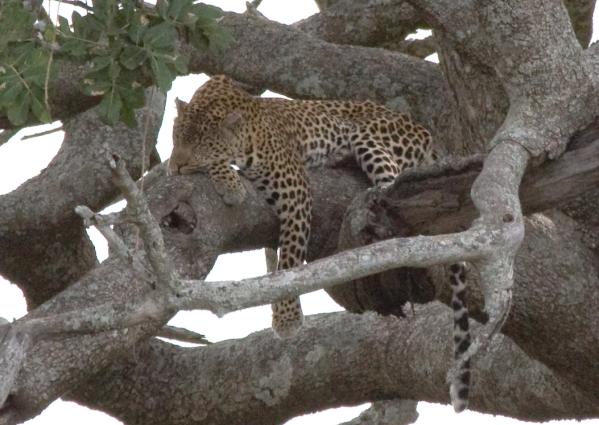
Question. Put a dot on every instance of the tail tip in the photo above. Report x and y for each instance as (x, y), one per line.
(459, 398)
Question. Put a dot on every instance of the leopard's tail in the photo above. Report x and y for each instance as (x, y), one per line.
(460, 380)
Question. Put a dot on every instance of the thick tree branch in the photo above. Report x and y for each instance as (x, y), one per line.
(549, 92)
(546, 106)
(581, 16)
(224, 297)
(211, 235)
(358, 357)
(271, 55)
(371, 24)
(41, 211)
(436, 199)
(299, 55)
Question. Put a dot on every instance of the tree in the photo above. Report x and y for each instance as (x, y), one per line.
(515, 93)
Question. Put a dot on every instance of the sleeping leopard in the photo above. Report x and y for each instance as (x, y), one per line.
(227, 132)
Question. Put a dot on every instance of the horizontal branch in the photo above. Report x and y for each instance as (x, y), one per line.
(374, 24)
(419, 251)
(267, 54)
(436, 200)
(182, 198)
(336, 359)
(289, 61)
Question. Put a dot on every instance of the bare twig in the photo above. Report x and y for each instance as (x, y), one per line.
(42, 133)
(78, 3)
(252, 8)
(182, 334)
(254, 3)
(392, 412)
(149, 228)
(115, 243)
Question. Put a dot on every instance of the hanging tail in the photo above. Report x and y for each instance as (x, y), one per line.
(460, 381)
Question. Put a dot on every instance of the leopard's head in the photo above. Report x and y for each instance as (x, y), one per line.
(202, 138)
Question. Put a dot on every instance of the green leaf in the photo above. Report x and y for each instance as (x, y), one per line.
(163, 8)
(9, 90)
(162, 74)
(74, 47)
(181, 64)
(40, 111)
(77, 21)
(199, 40)
(132, 56)
(101, 62)
(179, 8)
(132, 92)
(63, 24)
(19, 111)
(105, 11)
(114, 70)
(208, 12)
(160, 37)
(96, 83)
(138, 26)
(16, 23)
(110, 108)
(88, 27)
(128, 116)
(219, 38)
(129, 7)
(35, 75)
(35, 67)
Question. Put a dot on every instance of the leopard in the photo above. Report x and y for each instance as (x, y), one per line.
(229, 133)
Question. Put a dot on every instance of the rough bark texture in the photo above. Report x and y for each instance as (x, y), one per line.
(38, 220)
(513, 83)
(373, 24)
(437, 201)
(343, 358)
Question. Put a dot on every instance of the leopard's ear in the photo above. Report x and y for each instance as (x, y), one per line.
(181, 105)
(232, 120)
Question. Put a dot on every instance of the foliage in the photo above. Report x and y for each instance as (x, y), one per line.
(125, 43)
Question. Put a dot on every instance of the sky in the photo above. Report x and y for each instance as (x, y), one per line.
(39, 152)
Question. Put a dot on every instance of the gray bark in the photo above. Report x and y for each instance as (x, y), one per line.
(525, 103)
(38, 221)
(206, 203)
(342, 358)
(294, 63)
(372, 24)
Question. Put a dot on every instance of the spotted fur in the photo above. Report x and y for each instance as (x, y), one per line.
(459, 388)
(272, 141)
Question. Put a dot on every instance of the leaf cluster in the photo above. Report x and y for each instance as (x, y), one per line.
(125, 44)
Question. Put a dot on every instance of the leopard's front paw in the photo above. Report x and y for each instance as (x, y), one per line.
(231, 197)
(234, 198)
